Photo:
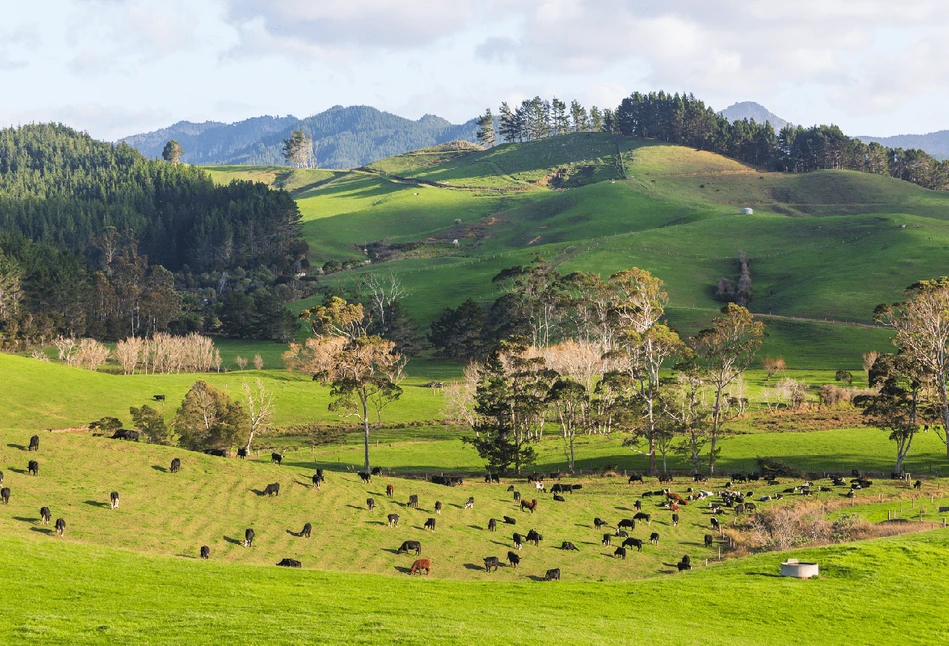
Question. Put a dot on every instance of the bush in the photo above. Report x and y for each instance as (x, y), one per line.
(774, 467)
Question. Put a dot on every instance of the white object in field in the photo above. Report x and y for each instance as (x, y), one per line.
(747, 211)
(798, 569)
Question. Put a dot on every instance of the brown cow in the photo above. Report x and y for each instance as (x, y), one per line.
(531, 506)
(421, 564)
(390, 490)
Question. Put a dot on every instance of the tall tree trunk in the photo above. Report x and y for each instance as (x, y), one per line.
(572, 463)
(365, 424)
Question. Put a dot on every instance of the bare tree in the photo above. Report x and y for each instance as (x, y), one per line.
(258, 362)
(261, 407)
(773, 365)
(459, 398)
(383, 291)
(127, 352)
(240, 361)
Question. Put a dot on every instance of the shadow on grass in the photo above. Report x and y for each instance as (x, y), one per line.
(233, 541)
(772, 576)
(474, 566)
(42, 530)
(475, 526)
(390, 550)
(96, 503)
(402, 569)
(24, 519)
(534, 577)
(17, 446)
(20, 471)
(159, 468)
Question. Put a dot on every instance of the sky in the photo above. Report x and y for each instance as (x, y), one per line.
(119, 67)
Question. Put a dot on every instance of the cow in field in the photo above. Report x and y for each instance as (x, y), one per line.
(393, 520)
(517, 496)
(33, 467)
(552, 575)
(491, 562)
(675, 520)
(492, 477)
(665, 477)
(534, 537)
(620, 552)
(559, 498)
(376, 471)
(627, 523)
(709, 539)
(638, 505)
(513, 559)
(635, 478)
(305, 532)
(715, 523)
(390, 491)
(567, 546)
(35, 443)
(370, 504)
(421, 564)
(1, 477)
(205, 552)
(469, 504)
(366, 477)
(429, 524)
(242, 453)
(438, 507)
(685, 564)
(916, 485)
(492, 525)
(319, 473)
(518, 540)
(176, 465)
(45, 515)
(289, 563)
(607, 540)
(273, 489)
(410, 546)
(634, 542)
(221, 453)
(599, 522)
(530, 506)
(5, 495)
(654, 538)
(413, 501)
(509, 521)
(60, 526)
(316, 481)
(248, 537)
(276, 458)
(125, 434)
(114, 499)
(621, 533)
(643, 516)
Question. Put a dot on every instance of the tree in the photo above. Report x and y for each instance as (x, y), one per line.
(897, 405)
(260, 408)
(773, 365)
(298, 149)
(209, 419)
(363, 371)
(172, 152)
(869, 358)
(486, 129)
(456, 333)
(722, 353)
(151, 423)
(844, 376)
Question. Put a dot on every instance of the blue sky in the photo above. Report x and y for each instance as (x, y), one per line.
(118, 67)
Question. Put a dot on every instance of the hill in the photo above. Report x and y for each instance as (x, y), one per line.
(343, 137)
(752, 110)
(934, 143)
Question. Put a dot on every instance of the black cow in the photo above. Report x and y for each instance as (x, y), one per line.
(492, 477)
(272, 489)
(438, 507)
(276, 458)
(643, 516)
(469, 504)
(665, 477)
(242, 453)
(248, 537)
(317, 479)
(916, 485)
(377, 471)
(638, 505)
(33, 467)
(393, 520)
(492, 525)
(740, 508)
(305, 532)
(176, 465)
(513, 559)
(684, 564)
(620, 552)
(510, 488)
(114, 499)
(576, 487)
(509, 521)
(534, 537)
(654, 538)
(629, 523)
(518, 540)
(517, 496)
(5, 495)
(125, 434)
(289, 563)
(35, 443)
(221, 453)
(709, 539)
(158, 398)
(568, 547)
(634, 542)
(491, 562)
(560, 498)
(430, 524)
(1, 477)
(410, 546)
(413, 501)
(60, 526)
(635, 478)
(599, 522)
(366, 477)
(370, 503)
(552, 575)
(715, 523)
(607, 539)
(45, 515)
(621, 533)
(675, 520)
(750, 506)
(699, 477)
(319, 473)
(205, 552)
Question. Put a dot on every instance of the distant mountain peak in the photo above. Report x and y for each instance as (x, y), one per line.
(752, 110)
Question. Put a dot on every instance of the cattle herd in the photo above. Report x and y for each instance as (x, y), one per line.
(713, 503)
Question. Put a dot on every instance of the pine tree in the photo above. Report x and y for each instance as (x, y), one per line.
(486, 129)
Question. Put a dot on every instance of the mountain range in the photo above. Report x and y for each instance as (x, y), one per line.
(752, 110)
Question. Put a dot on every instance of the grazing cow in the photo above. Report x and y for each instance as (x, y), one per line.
(629, 523)
(370, 503)
(221, 453)
(413, 501)
(715, 523)
(509, 521)
(421, 564)
(576, 487)
(317, 480)
(410, 546)
(158, 398)
(513, 559)
(552, 575)
(518, 540)
(242, 453)
(638, 505)
(621, 533)
(643, 516)
(675, 520)
(393, 520)
(491, 562)
(276, 458)
(665, 477)
(685, 564)
(568, 547)
(33, 467)
(918, 485)
(289, 563)
(45, 515)
(740, 508)
(559, 498)
(60, 526)
(654, 538)
(495, 478)
(35, 443)
(534, 537)
(248, 537)
(305, 532)
(510, 488)
(430, 524)
(176, 465)
(272, 489)
(620, 552)
(377, 471)
(124, 434)
(670, 495)
(438, 507)
(319, 473)
(5, 495)
(635, 478)
(634, 542)
(469, 504)
(531, 506)
(750, 506)
(492, 525)
(366, 477)
(390, 491)
(114, 499)
(709, 539)
(599, 522)
(607, 539)
(517, 496)
(205, 552)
